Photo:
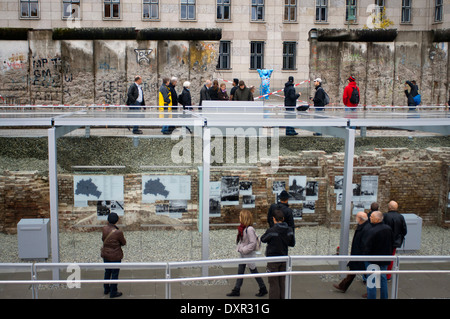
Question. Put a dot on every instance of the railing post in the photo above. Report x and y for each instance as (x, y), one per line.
(168, 285)
(288, 281)
(394, 288)
(34, 290)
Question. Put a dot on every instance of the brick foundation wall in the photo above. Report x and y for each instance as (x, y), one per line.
(417, 179)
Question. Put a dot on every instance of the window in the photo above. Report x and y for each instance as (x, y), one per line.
(223, 10)
(257, 10)
(321, 10)
(256, 55)
(350, 10)
(71, 9)
(224, 55)
(150, 10)
(111, 9)
(29, 9)
(438, 11)
(289, 53)
(290, 10)
(406, 11)
(187, 10)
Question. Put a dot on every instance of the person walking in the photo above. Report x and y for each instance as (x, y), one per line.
(357, 249)
(135, 99)
(320, 98)
(247, 242)
(111, 252)
(412, 95)
(174, 98)
(204, 92)
(284, 206)
(242, 93)
(398, 225)
(351, 95)
(278, 238)
(290, 102)
(185, 97)
(234, 88)
(379, 242)
(164, 99)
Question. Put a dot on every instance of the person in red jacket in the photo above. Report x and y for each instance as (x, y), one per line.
(350, 98)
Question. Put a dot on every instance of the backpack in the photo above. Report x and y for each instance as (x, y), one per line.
(417, 99)
(326, 101)
(354, 99)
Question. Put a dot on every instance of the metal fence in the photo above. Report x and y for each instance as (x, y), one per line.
(35, 269)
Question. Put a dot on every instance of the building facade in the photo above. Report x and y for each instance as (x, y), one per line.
(256, 34)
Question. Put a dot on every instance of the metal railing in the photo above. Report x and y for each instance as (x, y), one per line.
(168, 267)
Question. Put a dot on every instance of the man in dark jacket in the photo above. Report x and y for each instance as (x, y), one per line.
(173, 93)
(319, 98)
(398, 225)
(357, 249)
(135, 99)
(278, 239)
(290, 101)
(379, 242)
(204, 92)
(242, 93)
(284, 207)
(414, 91)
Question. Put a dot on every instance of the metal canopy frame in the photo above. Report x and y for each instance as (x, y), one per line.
(338, 124)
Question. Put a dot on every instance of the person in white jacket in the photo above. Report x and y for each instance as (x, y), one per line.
(247, 242)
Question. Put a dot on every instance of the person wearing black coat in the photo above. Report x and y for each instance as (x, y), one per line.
(135, 99)
(290, 99)
(414, 91)
(357, 249)
(279, 238)
(379, 242)
(398, 224)
(185, 97)
(283, 205)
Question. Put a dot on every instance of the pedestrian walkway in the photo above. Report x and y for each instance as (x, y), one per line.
(411, 286)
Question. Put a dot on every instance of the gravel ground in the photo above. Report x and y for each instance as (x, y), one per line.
(183, 245)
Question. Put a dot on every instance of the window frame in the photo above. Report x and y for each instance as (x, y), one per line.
(221, 6)
(188, 4)
(288, 8)
(406, 8)
(287, 56)
(348, 7)
(111, 9)
(254, 6)
(227, 55)
(438, 10)
(149, 4)
(321, 7)
(255, 55)
(71, 2)
(28, 3)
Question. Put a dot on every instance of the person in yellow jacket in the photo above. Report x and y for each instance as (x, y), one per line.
(165, 97)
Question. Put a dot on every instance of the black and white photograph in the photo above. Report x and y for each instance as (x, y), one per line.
(312, 190)
(106, 207)
(229, 190)
(338, 183)
(297, 213)
(358, 207)
(309, 206)
(162, 209)
(177, 208)
(339, 198)
(278, 187)
(214, 206)
(297, 186)
(248, 201)
(245, 188)
(369, 188)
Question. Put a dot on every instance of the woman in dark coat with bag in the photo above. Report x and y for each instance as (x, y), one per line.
(113, 240)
